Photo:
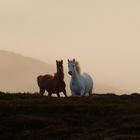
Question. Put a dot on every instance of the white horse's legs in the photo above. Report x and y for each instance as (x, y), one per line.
(73, 93)
(82, 92)
(90, 92)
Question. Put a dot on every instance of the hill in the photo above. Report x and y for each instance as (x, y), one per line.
(18, 73)
(100, 117)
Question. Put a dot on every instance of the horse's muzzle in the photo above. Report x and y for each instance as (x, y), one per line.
(70, 72)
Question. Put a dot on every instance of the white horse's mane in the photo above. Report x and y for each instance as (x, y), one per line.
(78, 67)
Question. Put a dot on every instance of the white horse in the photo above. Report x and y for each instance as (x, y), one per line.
(80, 84)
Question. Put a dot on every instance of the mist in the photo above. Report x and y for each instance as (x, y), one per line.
(102, 35)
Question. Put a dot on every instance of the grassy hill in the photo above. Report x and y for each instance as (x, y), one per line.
(100, 117)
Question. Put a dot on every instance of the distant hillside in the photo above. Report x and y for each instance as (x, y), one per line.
(18, 73)
(101, 88)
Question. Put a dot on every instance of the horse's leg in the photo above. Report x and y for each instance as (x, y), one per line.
(82, 92)
(58, 95)
(65, 93)
(73, 94)
(49, 94)
(42, 90)
(90, 92)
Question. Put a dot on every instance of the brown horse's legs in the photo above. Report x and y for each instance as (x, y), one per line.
(65, 93)
(49, 94)
(58, 94)
(42, 90)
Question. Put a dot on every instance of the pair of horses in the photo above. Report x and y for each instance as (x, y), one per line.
(80, 83)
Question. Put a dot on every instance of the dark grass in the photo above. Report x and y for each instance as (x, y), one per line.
(100, 117)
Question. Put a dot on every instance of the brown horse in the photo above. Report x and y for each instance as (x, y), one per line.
(53, 84)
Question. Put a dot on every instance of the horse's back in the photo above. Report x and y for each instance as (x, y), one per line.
(42, 80)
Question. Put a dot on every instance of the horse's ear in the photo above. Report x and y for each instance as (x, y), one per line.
(61, 61)
(56, 61)
(73, 59)
(68, 60)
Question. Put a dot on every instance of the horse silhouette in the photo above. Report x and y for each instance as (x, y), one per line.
(53, 84)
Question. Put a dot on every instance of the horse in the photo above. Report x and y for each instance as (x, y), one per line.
(53, 84)
(80, 83)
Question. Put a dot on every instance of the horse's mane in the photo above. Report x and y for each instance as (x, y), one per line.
(59, 75)
(78, 67)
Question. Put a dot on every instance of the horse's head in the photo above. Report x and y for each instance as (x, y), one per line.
(71, 66)
(59, 65)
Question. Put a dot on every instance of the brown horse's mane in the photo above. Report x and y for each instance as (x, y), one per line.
(59, 76)
(78, 67)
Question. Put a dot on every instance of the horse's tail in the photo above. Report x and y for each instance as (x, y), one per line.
(40, 84)
(39, 78)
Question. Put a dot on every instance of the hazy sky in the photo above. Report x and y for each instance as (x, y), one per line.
(104, 35)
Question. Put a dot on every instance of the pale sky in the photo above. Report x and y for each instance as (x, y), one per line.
(104, 35)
